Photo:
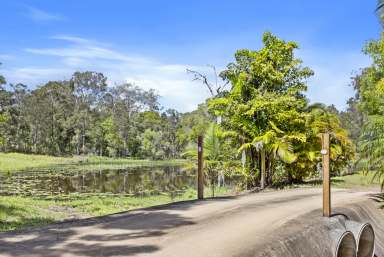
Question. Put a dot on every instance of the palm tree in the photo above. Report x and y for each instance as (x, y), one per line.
(372, 147)
(212, 154)
(274, 143)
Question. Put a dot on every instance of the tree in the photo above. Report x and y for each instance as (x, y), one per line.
(171, 131)
(16, 129)
(268, 115)
(126, 103)
(322, 119)
(215, 89)
(216, 154)
(352, 119)
(152, 144)
(2, 115)
(48, 111)
(369, 86)
(267, 93)
(2, 120)
(88, 88)
(109, 138)
(2, 79)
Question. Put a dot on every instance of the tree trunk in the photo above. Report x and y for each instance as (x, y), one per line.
(269, 170)
(262, 170)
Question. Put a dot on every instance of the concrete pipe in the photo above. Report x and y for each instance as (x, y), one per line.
(345, 243)
(365, 237)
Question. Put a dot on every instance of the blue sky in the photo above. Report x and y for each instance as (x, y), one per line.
(151, 43)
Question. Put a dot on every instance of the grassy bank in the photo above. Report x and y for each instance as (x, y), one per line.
(11, 162)
(20, 212)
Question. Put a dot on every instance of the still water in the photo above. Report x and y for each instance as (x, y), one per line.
(129, 181)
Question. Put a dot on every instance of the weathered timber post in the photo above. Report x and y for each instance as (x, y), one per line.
(262, 156)
(200, 175)
(326, 175)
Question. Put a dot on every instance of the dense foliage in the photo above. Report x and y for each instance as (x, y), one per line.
(368, 110)
(85, 116)
(269, 116)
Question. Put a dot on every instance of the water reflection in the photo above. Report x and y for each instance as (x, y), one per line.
(131, 181)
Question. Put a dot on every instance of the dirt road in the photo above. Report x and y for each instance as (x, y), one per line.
(220, 227)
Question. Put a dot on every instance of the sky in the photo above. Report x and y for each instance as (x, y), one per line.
(151, 43)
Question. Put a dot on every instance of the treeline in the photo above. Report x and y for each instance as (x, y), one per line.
(257, 123)
(83, 115)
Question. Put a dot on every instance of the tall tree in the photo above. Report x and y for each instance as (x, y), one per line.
(266, 94)
(89, 88)
(3, 96)
(267, 111)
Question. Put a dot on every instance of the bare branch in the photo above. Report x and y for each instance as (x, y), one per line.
(203, 78)
(214, 89)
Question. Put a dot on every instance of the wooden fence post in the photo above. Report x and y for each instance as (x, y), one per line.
(326, 175)
(200, 174)
(262, 157)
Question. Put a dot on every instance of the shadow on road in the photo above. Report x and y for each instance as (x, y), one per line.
(114, 235)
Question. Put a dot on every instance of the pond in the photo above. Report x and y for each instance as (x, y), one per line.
(172, 180)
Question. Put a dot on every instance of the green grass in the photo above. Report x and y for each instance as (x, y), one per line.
(11, 162)
(21, 212)
(17, 212)
(14, 161)
(103, 204)
(356, 181)
(28, 211)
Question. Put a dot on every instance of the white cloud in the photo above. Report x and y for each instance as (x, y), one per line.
(171, 81)
(35, 75)
(89, 49)
(73, 39)
(330, 85)
(43, 16)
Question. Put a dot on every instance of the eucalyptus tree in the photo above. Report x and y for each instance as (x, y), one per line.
(171, 131)
(352, 119)
(128, 101)
(88, 88)
(16, 128)
(48, 111)
(13, 128)
(4, 102)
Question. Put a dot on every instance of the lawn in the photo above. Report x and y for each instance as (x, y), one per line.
(11, 162)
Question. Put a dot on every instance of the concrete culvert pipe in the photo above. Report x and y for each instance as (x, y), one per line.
(346, 243)
(365, 238)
